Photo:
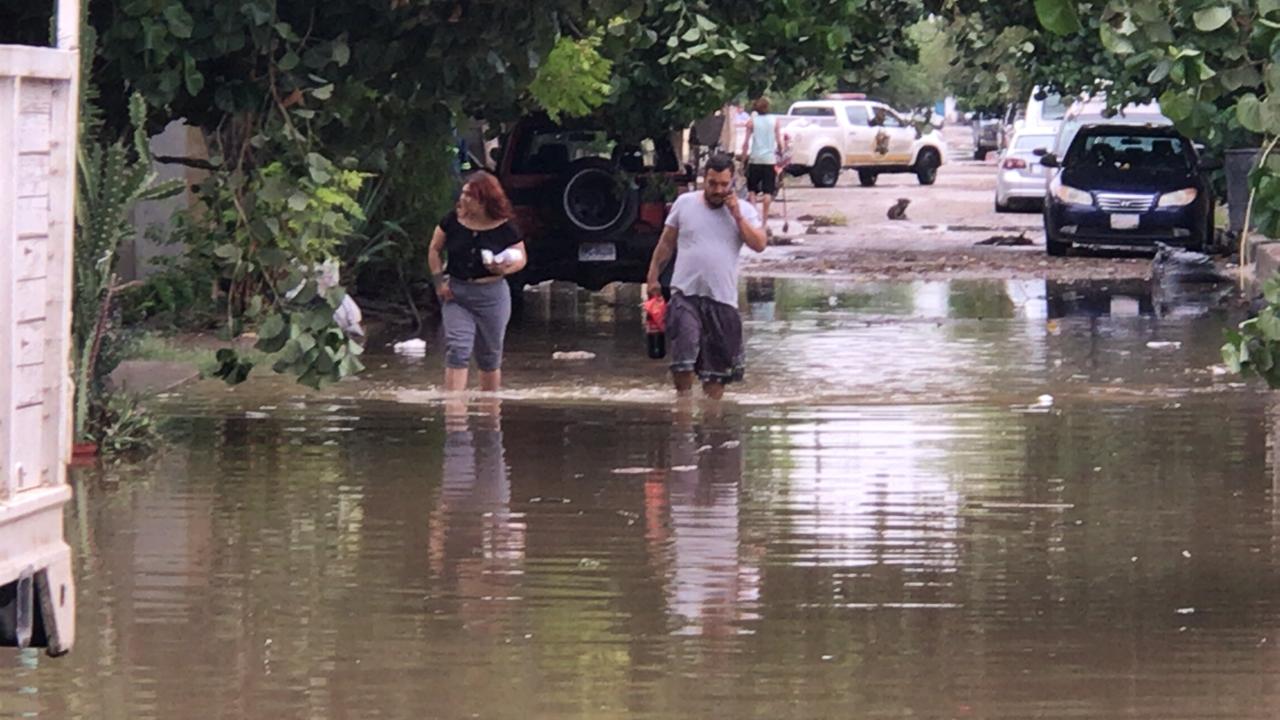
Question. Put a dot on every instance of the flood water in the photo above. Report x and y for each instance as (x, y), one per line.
(886, 521)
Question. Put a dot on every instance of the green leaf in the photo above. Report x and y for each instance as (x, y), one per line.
(1266, 7)
(1160, 71)
(1231, 355)
(1210, 19)
(1249, 113)
(273, 326)
(179, 20)
(289, 61)
(1269, 324)
(298, 202)
(341, 53)
(324, 92)
(193, 77)
(1271, 290)
(1058, 16)
(1114, 42)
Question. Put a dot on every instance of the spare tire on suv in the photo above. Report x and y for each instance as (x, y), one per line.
(598, 200)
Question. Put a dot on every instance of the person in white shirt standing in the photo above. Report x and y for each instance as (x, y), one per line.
(762, 146)
(704, 331)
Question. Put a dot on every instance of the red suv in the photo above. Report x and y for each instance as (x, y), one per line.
(589, 207)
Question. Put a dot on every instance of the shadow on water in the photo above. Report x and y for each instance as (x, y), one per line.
(1112, 553)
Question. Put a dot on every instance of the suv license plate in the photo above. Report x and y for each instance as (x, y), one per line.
(597, 252)
(1125, 221)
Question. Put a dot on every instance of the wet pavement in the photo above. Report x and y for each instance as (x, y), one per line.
(929, 500)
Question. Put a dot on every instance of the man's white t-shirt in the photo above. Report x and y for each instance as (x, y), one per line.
(707, 244)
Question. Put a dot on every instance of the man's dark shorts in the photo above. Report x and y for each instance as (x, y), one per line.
(762, 179)
(705, 336)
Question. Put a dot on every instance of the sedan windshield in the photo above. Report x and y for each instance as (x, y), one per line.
(1121, 151)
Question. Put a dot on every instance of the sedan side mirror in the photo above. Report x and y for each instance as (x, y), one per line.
(1210, 165)
(1040, 152)
(1049, 160)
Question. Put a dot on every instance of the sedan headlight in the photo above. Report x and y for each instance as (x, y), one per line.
(1178, 198)
(1072, 196)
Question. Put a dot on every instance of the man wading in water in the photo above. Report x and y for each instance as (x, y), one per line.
(704, 330)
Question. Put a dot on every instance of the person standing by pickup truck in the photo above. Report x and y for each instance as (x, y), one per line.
(704, 330)
(761, 147)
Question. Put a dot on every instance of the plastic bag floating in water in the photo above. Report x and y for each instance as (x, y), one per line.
(416, 346)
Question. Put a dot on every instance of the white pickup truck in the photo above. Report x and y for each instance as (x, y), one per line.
(826, 136)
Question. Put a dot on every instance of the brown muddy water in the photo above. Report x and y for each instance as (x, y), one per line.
(888, 521)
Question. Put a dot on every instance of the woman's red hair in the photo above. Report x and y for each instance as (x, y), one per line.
(486, 189)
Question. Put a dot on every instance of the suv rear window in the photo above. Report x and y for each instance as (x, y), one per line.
(1126, 151)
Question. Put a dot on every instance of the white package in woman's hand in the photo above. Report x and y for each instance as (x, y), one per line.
(510, 255)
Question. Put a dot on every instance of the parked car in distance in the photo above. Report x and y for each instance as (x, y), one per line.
(589, 207)
(1021, 179)
(1128, 185)
(868, 136)
(986, 134)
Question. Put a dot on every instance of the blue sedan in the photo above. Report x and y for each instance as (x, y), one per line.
(1128, 186)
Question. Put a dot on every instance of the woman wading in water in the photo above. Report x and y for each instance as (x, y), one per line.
(481, 246)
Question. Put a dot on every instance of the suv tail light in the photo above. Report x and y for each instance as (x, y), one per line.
(1014, 163)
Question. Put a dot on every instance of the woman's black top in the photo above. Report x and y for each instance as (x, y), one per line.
(463, 246)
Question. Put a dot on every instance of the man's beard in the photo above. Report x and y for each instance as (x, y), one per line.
(714, 201)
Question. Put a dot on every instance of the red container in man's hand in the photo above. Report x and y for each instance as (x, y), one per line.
(655, 326)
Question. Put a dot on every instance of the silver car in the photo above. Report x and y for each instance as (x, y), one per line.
(1021, 178)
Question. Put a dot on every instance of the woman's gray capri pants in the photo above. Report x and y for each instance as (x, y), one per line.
(476, 318)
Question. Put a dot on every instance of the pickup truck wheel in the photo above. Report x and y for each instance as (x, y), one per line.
(867, 178)
(927, 166)
(826, 171)
(597, 199)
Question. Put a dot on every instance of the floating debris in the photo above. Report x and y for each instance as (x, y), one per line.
(415, 346)
(634, 470)
(1164, 344)
(573, 355)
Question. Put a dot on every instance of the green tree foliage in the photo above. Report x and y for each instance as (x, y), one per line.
(1003, 49)
(376, 88)
(574, 80)
(677, 61)
(907, 82)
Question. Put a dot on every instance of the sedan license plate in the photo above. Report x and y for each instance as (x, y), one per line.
(1124, 221)
(597, 252)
